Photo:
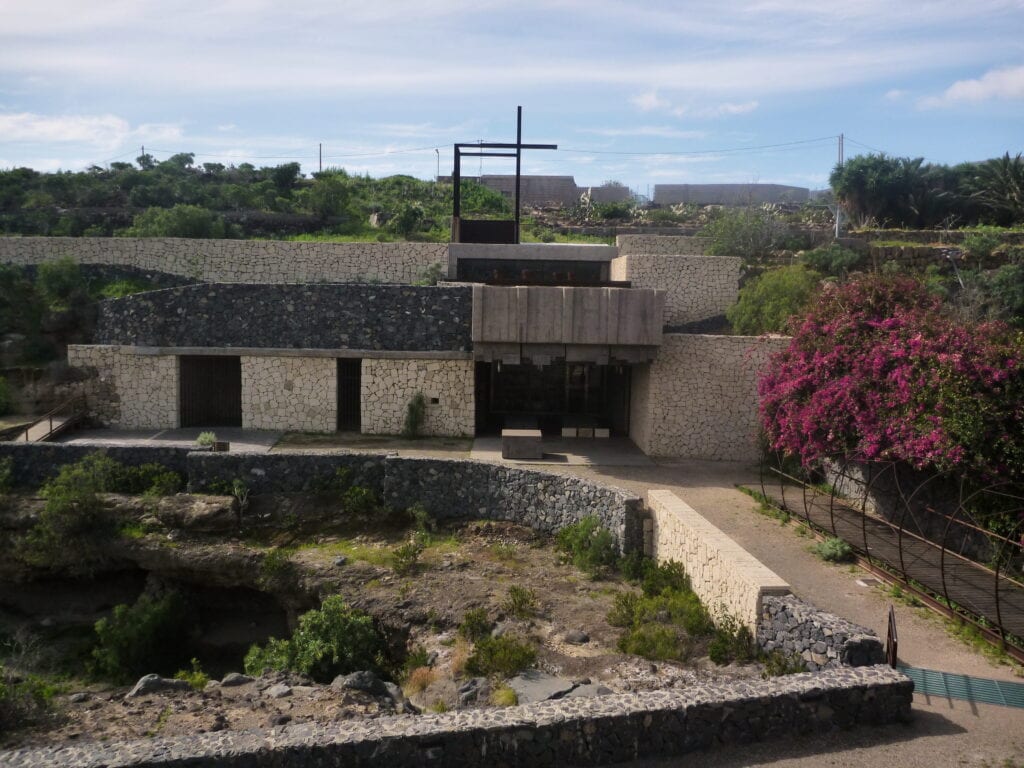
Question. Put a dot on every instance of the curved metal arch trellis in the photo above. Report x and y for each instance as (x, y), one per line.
(956, 546)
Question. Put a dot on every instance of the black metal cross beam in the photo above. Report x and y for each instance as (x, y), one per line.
(518, 146)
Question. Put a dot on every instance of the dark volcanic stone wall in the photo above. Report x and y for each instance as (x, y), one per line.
(312, 316)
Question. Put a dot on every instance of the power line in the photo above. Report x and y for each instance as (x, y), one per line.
(726, 150)
(866, 146)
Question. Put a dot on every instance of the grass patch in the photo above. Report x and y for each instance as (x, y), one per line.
(503, 656)
(475, 625)
(765, 506)
(834, 550)
(503, 696)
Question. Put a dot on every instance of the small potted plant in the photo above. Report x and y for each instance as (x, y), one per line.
(206, 441)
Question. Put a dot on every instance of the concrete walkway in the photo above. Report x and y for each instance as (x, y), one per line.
(946, 732)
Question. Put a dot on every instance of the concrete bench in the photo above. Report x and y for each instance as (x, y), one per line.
(521, 444)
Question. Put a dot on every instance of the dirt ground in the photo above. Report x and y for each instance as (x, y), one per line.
(464, 567)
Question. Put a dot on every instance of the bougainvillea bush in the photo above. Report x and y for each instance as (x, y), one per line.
(876, 371)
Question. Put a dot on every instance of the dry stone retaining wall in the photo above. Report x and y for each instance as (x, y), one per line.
(698, 399)
(35, 463)
(237, 261)
(823, 640)
(582, 731)
(292, 393)
(662, 245)
(728, 579)
(321, 316)
(389, 385)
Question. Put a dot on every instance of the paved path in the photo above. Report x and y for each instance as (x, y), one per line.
(946, 732)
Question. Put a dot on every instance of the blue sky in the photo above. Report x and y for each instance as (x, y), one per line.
(643, 93)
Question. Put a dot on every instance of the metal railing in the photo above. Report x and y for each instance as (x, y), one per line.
(956, 546)
(64, 416)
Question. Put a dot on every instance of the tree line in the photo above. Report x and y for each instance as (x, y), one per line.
(178, 198)
(879, 190)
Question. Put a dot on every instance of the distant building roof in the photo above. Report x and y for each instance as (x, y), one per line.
(728, 194)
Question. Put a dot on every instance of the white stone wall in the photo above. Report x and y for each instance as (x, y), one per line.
(131, 391)
(698, 399)
(665, 245)
(290, 393)
(727, 578)
(238, 261)
(388, 385)
(696, 287)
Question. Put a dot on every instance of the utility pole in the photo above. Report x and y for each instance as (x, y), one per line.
(839, 208)
(438, 153)
(321, 157)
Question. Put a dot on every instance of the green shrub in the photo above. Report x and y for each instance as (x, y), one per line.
(6, 475)
(778, 663)
(767, 302)
(329, 641)
(60, 283)
(360, 503)
(277, 564)
(834, 550)
(475, 625)
(832, 260)
(732, 642)
(634, 565)
(153, 479)
(750, 233)
(980, 242)
(24, 699)
(206, 439)
(661, 578)
(521, 602)
(405, 558)
(149, 636)
(503, 696)
(5, 397)
(504, 656)
(588, 546)
(624, 610)
(177, 221)
(658, 642)
(415, 415)
(118, 289)
(74, 522)
(194, 677)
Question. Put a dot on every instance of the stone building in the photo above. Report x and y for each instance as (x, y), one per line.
(318, 337)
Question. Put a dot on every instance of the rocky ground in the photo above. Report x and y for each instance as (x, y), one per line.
(254, 581)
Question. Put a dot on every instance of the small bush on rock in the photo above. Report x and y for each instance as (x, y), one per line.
(329, 641)
(504, 656)
(521, 602)
(659, 642)
(778, 663)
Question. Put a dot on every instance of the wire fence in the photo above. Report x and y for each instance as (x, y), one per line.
(957, 545)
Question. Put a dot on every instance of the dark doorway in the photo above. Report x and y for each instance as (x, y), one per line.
(349, 394)
(211, 391)
(552, 396)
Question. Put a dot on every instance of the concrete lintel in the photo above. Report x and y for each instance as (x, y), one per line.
(379, 354)
(530, 252)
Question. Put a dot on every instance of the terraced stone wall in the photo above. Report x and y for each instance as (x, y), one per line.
(238, 261)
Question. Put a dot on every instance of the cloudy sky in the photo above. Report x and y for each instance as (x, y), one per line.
(645, 92)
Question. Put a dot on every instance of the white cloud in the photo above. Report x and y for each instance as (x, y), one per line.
(717, 110)
(895, 94)
(650, 100)
(103, 132)
(653, 131)
(1006, 84)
